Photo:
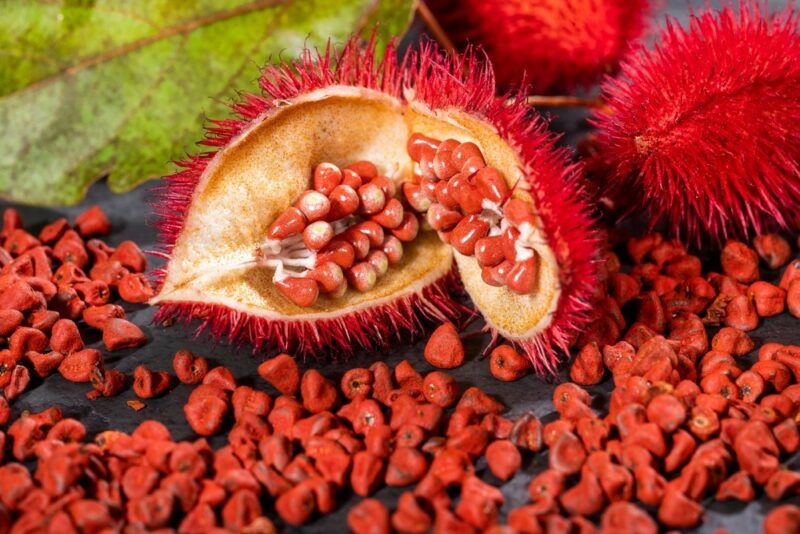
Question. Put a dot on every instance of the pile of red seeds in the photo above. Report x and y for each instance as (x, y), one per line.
(350, 227)
(690, 417)
(54, 285)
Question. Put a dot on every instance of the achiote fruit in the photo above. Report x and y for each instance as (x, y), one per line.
(339, 202)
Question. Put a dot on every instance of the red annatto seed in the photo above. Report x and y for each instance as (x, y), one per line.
(768, 299)
(444, 348)
(491, 185)
(466, 233)
(388, 185)
(379, 261)
(521, 278)
(791, 273)
(773, 249)
(463, 152)
(20, 378)
(488, 251)
(408, 228)
(344, 202)
(110, 272)
(65, 337)
(465, 194)
(496, 276)
(282, 372)
(448, 193)
(99, 249)
(741, 313)
(508, 365)
(317, 392)
(328, 275)
(189, 369)
(78, 366)
(98, 316)
(338, 251)
(508, 241)
(740, 262)
(296, 505)
(393, 248)
(351, 178)
(503, 458)
(318, 234)
(148, 384)
(314, 205)
(44, 364)
(405, 466)
(373, 231)
(326, 177)
(25, 339)
(391, 216)
(367, 473)
(473, 165)
(587, 368)
(357, 382)
(518, 212)
(443, 165)
(365, 169)
(290, 222)
(220, 377)
(107, 382)
(369, 516)
(416, 197)
(441, 218)
(132, 288)
(418, 144)
(359, 241)
(206, 415)
(372, 198)
(440, 389)
(120, 334)
(93, 222)
(53, 231)
(301, 291)
(362, 276)
(567, 455)
(9, 321)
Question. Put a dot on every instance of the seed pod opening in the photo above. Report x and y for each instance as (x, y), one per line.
(335, 207)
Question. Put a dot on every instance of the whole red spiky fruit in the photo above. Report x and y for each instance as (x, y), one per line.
(230, 219)
(702, 131)
(557, 45)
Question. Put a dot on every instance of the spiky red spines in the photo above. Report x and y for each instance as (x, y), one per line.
(558, 45)
(370, 329)
(701, 132)
(422, 78)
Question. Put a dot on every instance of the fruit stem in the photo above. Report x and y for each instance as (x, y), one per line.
(434, 27)
(558, 101)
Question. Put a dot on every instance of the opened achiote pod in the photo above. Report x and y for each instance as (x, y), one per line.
(342, 206)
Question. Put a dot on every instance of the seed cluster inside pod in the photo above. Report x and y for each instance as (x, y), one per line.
(350, 227)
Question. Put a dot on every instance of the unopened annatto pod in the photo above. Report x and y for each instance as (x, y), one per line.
(701, 133)
(558, 44)
(334, 209)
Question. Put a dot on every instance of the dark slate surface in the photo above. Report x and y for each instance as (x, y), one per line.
(129, 214)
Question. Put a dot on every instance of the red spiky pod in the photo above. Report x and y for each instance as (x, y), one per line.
(702, 131)
(326, 111)
(558, 45)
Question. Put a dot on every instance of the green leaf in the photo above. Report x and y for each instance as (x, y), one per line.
(92, 87)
